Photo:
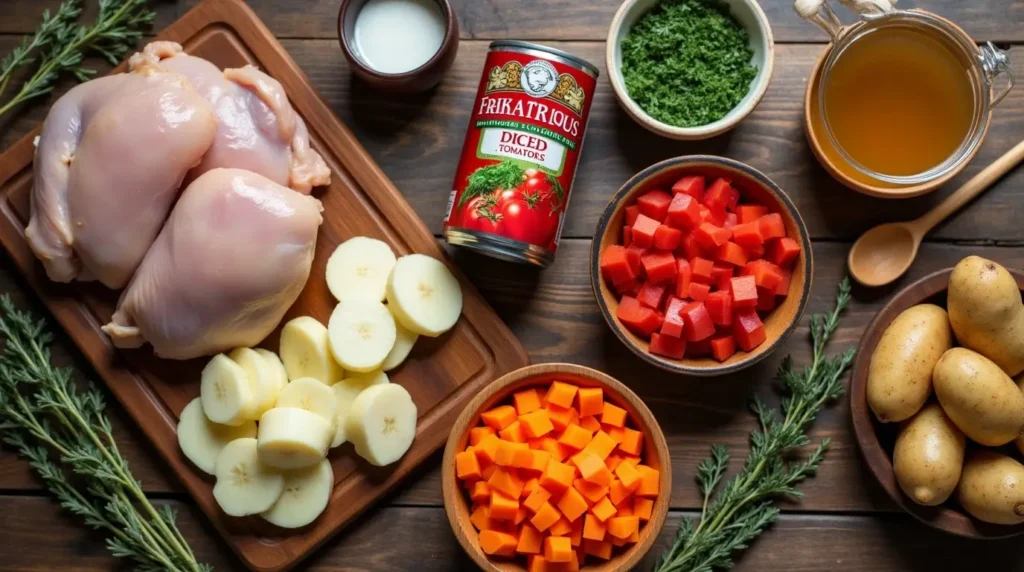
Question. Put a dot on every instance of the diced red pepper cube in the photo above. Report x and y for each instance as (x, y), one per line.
(683, 212)
(636, 317)
(667, 346)
(701, 268)
(643, 230)
(766, 275)
(627, 235)
(721, 196)
(772, 226)
(765, 300)
(699, 348)
(783, 287)
(635, 290)
(715, 217)
(732, 253)
(632, 211)
(744, 292)
(628, 288)
(755, 252)
(689, 248)
(699, 292)
(667, 238)
(659, 266)
(720, 275)
(654, 204)
(747, 235)
(633, 254)
(719, 305)
(723, 347)
(614, 265)
(693, 186)
(731, 220)
(651, 295)
(750, 213)
(673, 324)
(697, 324)
(748, 329)
(710, 237)
(684, 274)
(783, 251)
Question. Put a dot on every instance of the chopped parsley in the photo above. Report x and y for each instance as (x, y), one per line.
(687, 62)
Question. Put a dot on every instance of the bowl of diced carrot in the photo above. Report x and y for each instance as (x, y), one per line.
(556, 467)
(701, 265)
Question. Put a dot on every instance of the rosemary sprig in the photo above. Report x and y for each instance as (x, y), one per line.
(66, 437)
(745, 507)
(62, 45)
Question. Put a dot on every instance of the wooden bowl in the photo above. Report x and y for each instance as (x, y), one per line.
(655, 455)
(876, 440)
(748, 13)
(753, 185)
(420, 79)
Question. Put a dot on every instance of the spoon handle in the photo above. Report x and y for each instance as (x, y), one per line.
(970, 189)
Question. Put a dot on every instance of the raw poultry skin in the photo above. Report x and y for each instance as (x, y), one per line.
(257, 128)
(232, 258)
(109, 161)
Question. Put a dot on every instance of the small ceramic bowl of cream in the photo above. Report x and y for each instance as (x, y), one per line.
(399, 45)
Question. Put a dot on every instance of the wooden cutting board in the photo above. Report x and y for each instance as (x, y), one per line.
(442, 374)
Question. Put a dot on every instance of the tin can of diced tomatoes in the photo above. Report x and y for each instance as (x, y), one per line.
(519, 159)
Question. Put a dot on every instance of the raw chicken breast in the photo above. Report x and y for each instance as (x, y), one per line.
(111, 156)
(258, 129)
(232, 258)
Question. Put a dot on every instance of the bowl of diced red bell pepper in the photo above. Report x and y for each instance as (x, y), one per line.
(701, 265)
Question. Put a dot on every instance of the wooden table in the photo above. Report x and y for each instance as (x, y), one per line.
(844, 522)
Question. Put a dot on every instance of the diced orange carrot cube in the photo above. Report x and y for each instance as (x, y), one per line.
(623, 526)
(601, 445)
(467, 466)
(593, 528)
(481, 491)
(575, 436)
(603, 509)
(557, 549)
(562, 394)
(557, 477)
(572, 504)
(629, 476)
(476, 434)
(536, 424)
(497, 543)
(487, 449)
(631, 460)
(617, 492)
(643, 508)
(526, 401)
(530, 485)
(591, 401)
(601, 549)
(507, 482)
(499, 417)
(612, 461)
(489, 471)
(537, 499)
(546, 516)
(536, 563)
(562, 417)
(551, 445)
(530, 540)
(481, 518)
(592, 468)
(649, 481)
(503, 507)
(632, 442)
(560, 528)
(506, 452)
(590, 491)
(617, 434)
(613, 415)
(513, 432)
(590, 423)
(577, 533)
(618, 541)
(531, 460)
(625, 510)
(521, 514)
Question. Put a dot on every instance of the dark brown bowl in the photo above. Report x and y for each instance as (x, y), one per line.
(876, 440)
(754, 186)
(420, 79)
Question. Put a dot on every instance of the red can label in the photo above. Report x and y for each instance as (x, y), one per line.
(522, 146)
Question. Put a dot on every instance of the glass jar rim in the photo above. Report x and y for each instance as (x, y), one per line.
(982, 85)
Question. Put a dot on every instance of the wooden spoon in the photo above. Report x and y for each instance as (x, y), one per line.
(884, 253)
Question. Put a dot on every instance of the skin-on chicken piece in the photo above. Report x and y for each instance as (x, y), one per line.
(258, 129)
(111, 156)
(232, 258)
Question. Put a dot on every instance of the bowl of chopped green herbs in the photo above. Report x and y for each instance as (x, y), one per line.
(689, 69)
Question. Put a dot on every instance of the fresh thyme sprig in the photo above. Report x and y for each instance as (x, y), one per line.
(68, 440)
(61, 44)
(745, 507)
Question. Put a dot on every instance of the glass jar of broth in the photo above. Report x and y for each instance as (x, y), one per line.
(904, 96)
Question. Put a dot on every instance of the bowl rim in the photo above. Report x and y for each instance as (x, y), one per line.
(758, 88)
(499, 389)
(877, 458)
(631, 186)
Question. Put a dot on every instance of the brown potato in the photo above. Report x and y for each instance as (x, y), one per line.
(982, 400)
(900, 373)
(928, 456)
(986, 313)
(992, 488)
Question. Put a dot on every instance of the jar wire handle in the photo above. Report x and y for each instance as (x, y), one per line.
(996, 62)
(869, 7)
(819, 13)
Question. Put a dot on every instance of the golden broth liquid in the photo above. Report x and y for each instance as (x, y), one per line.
(899, 101)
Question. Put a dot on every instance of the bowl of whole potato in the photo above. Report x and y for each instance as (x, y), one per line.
(938, 416)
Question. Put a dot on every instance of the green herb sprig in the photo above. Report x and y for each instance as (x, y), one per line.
(61, 44)
(503, 175)
(745, 507)
(68, 440)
